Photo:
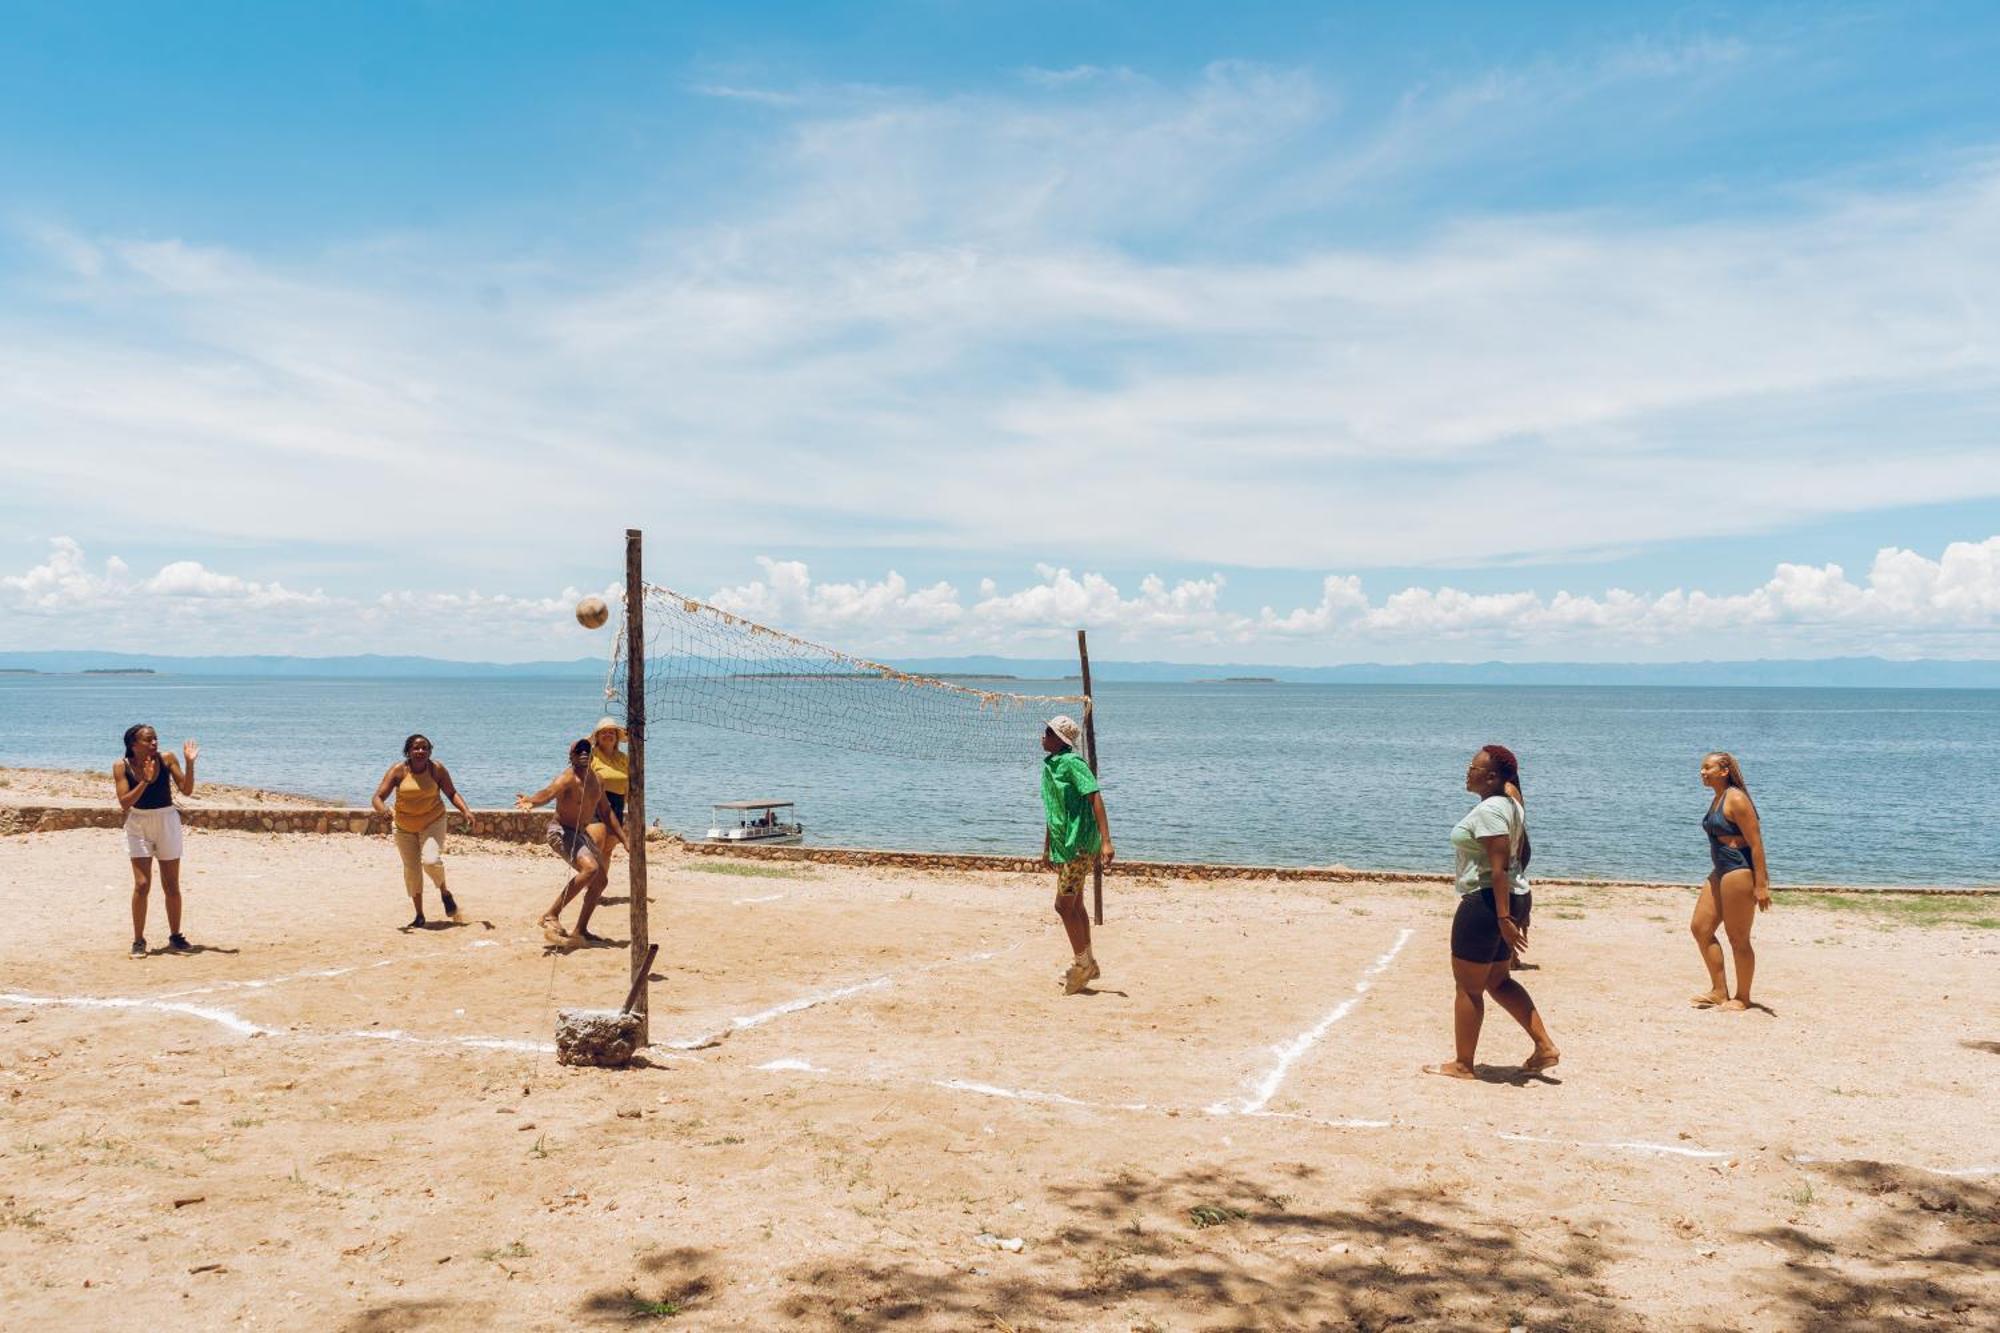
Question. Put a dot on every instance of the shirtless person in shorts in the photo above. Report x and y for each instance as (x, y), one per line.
(582, 820)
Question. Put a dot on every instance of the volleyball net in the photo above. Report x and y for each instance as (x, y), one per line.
(712, 667)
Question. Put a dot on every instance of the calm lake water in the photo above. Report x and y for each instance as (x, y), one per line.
(1855, 786)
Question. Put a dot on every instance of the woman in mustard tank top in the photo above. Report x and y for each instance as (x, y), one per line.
(421, 786)
(614, 769)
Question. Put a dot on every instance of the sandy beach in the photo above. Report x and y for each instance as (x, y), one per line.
(868, 1105)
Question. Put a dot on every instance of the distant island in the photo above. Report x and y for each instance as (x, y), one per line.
(119, 671)
(1234, 680)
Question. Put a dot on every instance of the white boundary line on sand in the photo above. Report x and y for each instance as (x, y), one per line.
(243, 1027)
(235, 1022)
(767, 898)
(1289, 1052)
(261, 983)
(794, 1064)
(813, 999)
(1632, 1145)
(317, 974)
(1957, 1172)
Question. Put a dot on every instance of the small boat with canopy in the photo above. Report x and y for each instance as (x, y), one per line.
(760, 822)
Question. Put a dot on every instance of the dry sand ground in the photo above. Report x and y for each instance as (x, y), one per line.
(319, 1122)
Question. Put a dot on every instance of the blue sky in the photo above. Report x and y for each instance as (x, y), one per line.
(1249, 333)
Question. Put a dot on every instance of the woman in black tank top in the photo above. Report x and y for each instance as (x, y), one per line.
(145, 780)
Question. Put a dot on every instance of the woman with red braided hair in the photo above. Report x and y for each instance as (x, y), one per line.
(1491, 926)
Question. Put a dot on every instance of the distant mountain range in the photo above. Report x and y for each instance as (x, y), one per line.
(1851, 672)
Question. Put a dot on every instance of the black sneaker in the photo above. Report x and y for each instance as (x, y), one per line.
(139, 948)
(450, 906)
(178, 943)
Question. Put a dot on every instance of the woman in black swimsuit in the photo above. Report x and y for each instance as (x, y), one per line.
(1739, 884)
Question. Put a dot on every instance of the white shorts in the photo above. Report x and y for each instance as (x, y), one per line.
(153, 833)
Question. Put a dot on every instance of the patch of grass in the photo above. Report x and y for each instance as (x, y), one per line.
(1205, 1215)
(645, 1309)
(1907, 909)
(514, 1250)
(747, 870)
(1801, 1193)
(724, 1141)
(245, 1122)
(540, 1147)
(27, 1221)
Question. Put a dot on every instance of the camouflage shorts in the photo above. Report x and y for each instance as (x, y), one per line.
(1070, 876)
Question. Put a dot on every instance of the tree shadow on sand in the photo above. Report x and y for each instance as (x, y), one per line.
(396, 1316)
(1925, 1258)
(676, 1281)
(1207, 1248)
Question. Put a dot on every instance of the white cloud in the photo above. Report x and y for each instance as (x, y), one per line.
(787, 595)
(1906, 598)
(187, 607)
(63, 582)
(1906, 604)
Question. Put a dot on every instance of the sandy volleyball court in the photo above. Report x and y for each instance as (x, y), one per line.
(866, 1089)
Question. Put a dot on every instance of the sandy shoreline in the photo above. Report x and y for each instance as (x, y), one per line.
(321, 1121)
(78, 787)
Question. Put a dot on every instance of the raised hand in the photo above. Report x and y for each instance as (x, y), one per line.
(190, 750)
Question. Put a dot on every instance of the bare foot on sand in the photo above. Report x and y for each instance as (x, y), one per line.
(552, 933)
(1734, 1006)
(1708, 999)
(1541, 1060)
(1450, 1069)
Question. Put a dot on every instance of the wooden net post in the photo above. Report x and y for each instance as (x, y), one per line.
(635, 798)
(1090, 757)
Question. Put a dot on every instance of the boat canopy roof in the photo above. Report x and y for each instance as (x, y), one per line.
(751, 805)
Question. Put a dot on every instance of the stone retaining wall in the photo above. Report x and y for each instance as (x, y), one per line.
(504, 825)
(529, 826)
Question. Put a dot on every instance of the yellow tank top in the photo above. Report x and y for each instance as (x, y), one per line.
(614, 771)
(417, 802)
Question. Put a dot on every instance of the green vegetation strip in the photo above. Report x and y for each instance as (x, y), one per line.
(1904, 909)
(744, 868)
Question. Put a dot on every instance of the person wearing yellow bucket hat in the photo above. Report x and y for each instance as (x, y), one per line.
(611, 764)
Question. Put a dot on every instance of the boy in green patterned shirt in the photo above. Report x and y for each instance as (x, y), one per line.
(1078, 832)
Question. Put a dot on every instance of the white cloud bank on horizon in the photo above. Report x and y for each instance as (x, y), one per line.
(1016, 324)
(1907, 605)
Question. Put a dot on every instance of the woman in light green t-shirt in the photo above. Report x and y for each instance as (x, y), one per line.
(1491, 926)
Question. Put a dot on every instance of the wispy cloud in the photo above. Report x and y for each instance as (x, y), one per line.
(1028, 326)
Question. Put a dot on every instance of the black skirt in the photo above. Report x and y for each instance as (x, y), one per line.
(1475, 930)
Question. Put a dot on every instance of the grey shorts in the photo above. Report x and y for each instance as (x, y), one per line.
(574, 846)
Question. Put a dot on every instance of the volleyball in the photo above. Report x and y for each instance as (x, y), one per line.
(591, 612)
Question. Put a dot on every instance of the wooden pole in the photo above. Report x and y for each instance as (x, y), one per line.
(1090, 757)
(635, 798)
